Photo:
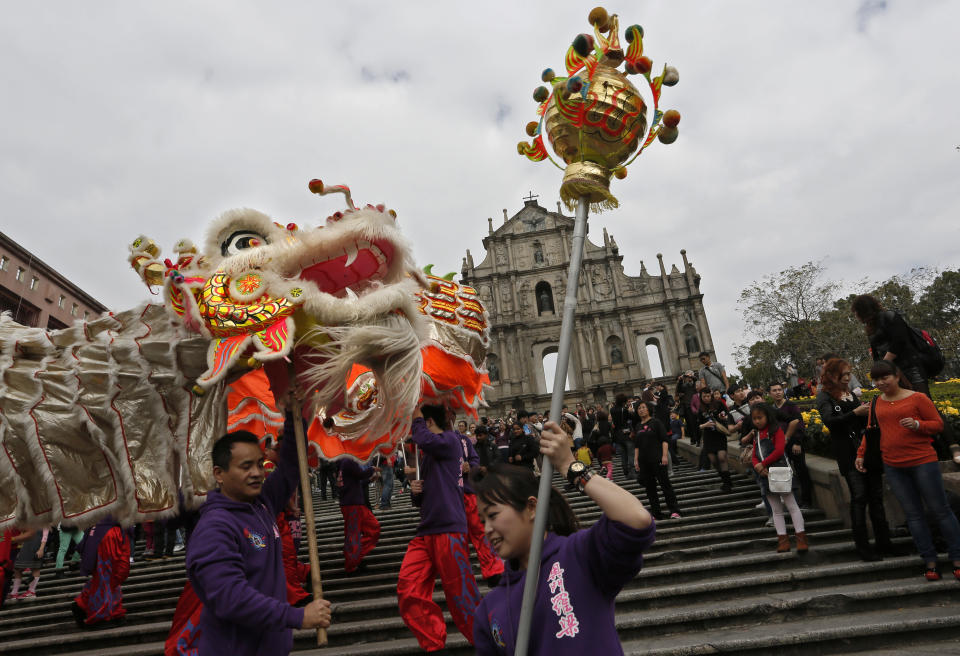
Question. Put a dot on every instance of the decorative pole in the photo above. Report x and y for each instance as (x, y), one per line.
(595, 119)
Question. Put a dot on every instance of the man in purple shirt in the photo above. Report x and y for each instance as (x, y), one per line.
(234, 557)
(440, 546)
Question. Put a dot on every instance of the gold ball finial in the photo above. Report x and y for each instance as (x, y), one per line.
(599, 18)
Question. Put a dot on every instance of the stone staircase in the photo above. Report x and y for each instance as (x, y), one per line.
(712, 583)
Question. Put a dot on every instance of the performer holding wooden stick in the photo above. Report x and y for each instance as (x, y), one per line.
(234, 557)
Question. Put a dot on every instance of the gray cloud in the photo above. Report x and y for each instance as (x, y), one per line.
(868, 10)
(503, 112)
(800, 139)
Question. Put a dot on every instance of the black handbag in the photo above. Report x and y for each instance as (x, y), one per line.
(871, 434)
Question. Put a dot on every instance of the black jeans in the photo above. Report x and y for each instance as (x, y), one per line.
(866, 492)
(799, 463)
(328, 474)
(648, 476)
(164, 537)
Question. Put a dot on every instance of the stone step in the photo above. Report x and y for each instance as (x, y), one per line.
(824, 635)
(712, 571)
(709, 614)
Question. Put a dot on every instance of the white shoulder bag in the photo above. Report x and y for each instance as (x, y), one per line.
(779, 479)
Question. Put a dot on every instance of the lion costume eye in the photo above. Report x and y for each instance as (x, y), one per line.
(241, 241)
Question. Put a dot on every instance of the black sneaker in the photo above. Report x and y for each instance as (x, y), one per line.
(78, 615)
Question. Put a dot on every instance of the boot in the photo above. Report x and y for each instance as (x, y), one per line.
(864, 550)
(881, 534)
(783, 544)
(727, 486)
(802, 544)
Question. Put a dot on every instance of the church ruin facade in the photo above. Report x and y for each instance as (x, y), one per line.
(630, 329)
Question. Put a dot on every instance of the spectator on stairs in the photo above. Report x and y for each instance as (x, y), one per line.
(651, 458)
(9, 544)
(712, 421)
(747, 434)
(791, 422)
(491, 567)
(907, 420)
(487, 451)
(846, 418)
(523, 446)
(361, 530)
(622, 416)
(69, 536)
(32, 546)
(106, 558)
(440, 545)
(768, 451)
(601, 442)
(581, 572)
(234, 558)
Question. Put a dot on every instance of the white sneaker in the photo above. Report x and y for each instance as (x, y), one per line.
(178, 548)
(759, 505)
(769, 522)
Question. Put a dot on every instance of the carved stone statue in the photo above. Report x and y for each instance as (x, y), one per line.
(493, 371)
(693, 344)
(616, 356)
(545, 301)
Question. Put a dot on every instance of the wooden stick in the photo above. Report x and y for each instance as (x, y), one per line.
(308, 512)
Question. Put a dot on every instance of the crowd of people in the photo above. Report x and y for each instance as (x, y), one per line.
(475, 485)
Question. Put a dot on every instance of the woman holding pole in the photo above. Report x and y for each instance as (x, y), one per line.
(581, 572)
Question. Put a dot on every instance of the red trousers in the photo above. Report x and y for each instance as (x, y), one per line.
(427, 556)
(490, 563)
(361, 532)
(100, 597)
(184, 634)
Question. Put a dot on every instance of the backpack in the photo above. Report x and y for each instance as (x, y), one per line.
(931, 357)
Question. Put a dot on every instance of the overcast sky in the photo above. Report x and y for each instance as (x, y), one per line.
(816, 129)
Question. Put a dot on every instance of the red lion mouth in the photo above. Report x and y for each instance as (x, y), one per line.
(361, 263)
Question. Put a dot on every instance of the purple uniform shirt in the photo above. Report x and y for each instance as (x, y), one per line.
(441, 505)
(580, 576)
(235, 563)
(470, 456)
(351, 479)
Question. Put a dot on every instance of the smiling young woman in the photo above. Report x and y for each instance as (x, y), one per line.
(907, 420)
(581, 572)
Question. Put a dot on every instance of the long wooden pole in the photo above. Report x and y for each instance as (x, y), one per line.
(308, 512)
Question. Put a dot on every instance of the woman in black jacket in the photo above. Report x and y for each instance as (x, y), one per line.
(889, 337)
(846, 418)
(650, 459)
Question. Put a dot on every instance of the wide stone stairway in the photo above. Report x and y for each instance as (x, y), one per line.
(712, 583)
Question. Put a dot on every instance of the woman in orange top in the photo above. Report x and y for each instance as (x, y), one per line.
(907, 420)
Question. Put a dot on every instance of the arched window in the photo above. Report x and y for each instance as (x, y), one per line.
(690, 339)
(615, 349)
(550, 370)
(544, 297)
(654, 357)
(493, 368)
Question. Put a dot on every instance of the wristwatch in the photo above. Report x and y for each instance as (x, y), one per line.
(578, 474)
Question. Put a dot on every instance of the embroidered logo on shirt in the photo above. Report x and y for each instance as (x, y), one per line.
(561, 605)
(497, 633)
(255, 538)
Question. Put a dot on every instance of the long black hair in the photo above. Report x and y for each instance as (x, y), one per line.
(883, 368)
(512, 486)
(867, 308)
(771, 414)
